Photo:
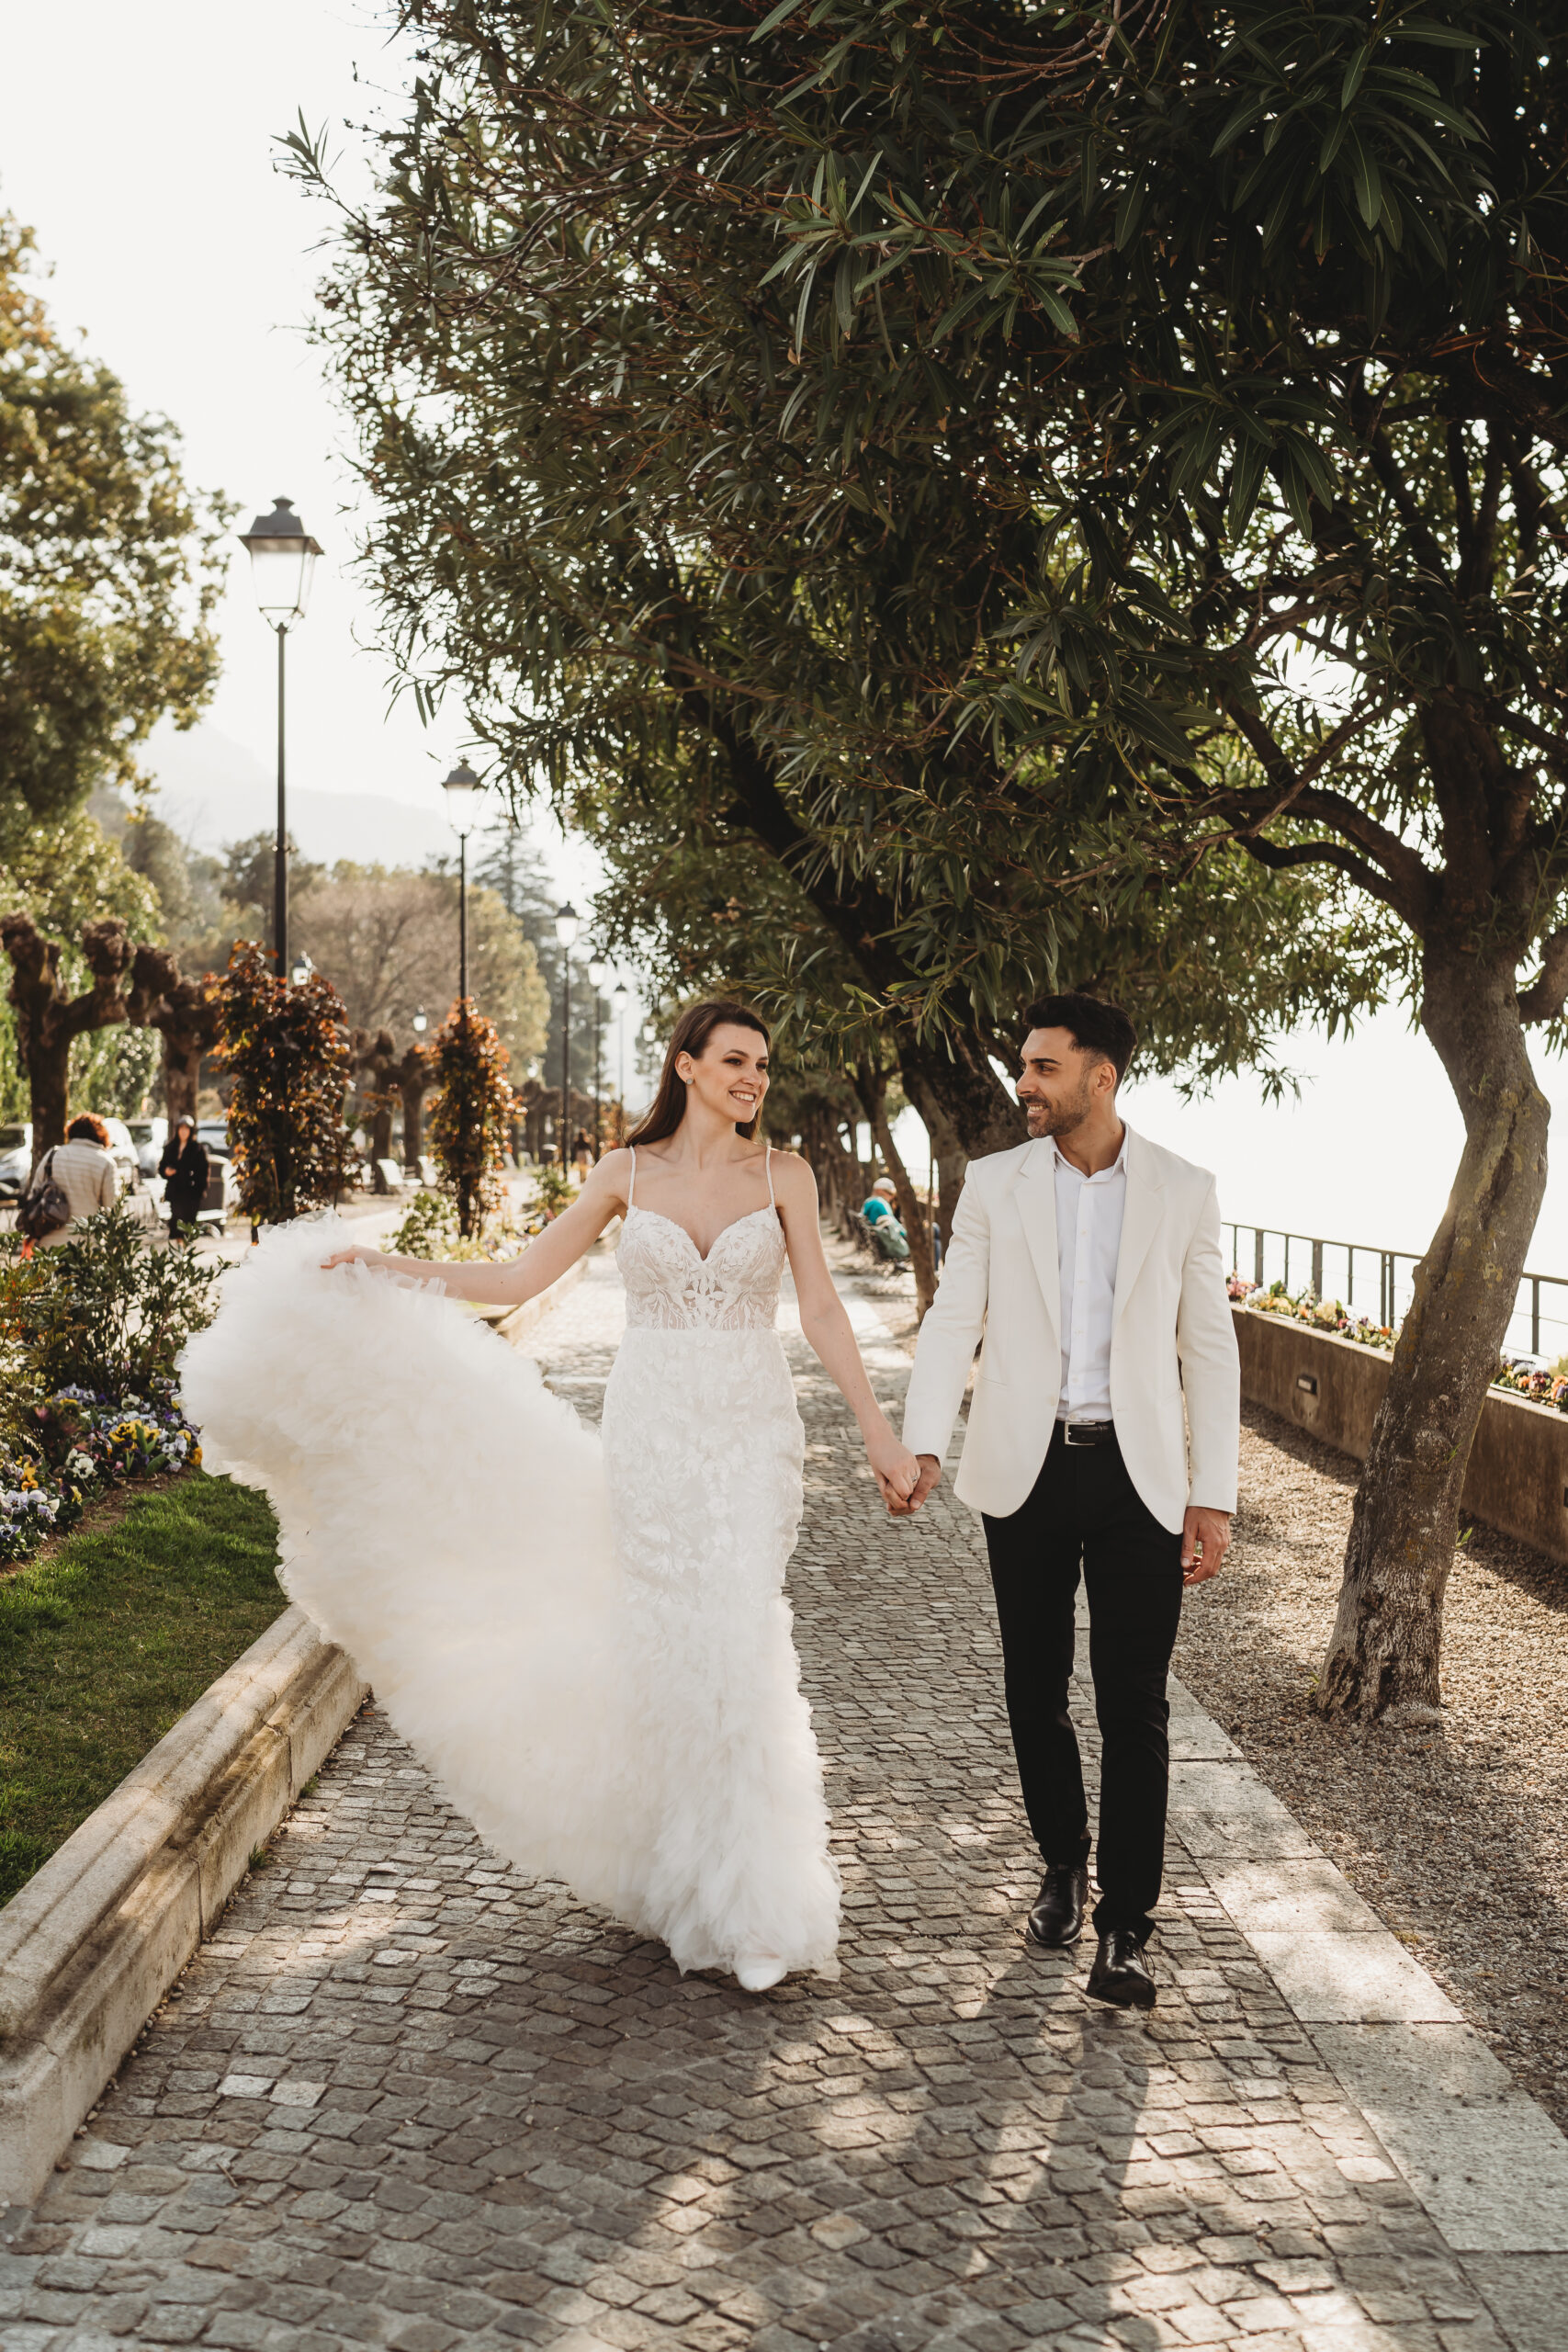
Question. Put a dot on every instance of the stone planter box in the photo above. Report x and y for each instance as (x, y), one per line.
(1517, 1478)
(91, 1944)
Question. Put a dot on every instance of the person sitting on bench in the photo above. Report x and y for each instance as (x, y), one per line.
(878, 1212)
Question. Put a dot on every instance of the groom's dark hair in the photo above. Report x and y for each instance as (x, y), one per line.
(1094, 1027)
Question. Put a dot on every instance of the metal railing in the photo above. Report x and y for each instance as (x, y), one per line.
(1379, 1283)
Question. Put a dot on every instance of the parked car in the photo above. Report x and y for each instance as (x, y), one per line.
(222, 1191)
(16, 1158)
(149, 1135)
(122, 1151)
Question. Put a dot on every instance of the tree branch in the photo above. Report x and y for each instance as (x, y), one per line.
(1277, 856)
(1408, 886)
(1547, 994)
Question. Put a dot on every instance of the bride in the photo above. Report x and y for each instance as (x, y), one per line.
(587, 1642)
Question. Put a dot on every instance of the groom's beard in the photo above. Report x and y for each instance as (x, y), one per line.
(1058, 1118)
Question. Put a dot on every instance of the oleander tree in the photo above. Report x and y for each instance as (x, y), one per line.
(599, 521)
(1268, 307)
(471, 1114)
(285, 1047)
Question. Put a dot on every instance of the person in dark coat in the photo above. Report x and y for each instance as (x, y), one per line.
(183, 1167)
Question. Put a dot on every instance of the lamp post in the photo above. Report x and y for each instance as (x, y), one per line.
(598, 973)
(462, 788)
(283, 559)
(618, 1004)
(567, 925)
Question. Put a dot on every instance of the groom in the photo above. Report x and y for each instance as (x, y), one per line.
(1103, 1434)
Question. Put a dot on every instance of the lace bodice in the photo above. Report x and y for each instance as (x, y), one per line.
(671, 1287)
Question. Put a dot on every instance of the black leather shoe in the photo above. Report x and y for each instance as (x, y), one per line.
(1056, 1919)
(1120, 1974)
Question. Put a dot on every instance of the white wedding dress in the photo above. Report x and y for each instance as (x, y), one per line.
(587, 1642)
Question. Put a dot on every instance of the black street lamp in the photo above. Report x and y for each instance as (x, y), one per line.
(598, 973)
(618, 1004)
(462, 788)
(567, 925)
(283, 559)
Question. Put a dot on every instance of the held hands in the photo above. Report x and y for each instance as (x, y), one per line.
(1205, 1540)
(896, 1469)
(930, 1470)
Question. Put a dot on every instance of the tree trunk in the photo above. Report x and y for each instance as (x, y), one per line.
(413, 1075)
(952, 1084)
(1383, 1653)
(49, 1022)
(952, 1159)
(917, 1224)
(185, 1016)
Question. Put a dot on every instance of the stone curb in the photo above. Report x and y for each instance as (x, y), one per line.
(91, 1944)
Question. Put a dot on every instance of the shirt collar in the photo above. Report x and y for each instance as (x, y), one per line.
(1117, 1168)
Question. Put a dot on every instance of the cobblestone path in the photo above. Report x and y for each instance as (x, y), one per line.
(407, 2098)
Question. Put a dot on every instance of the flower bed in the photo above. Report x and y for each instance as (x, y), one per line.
(74, 1446)
(90, 1331)
(1328, 1315)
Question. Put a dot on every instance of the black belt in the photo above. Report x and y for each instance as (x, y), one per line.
(1088, 1432)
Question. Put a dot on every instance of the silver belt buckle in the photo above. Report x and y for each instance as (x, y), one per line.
(1095, 1433)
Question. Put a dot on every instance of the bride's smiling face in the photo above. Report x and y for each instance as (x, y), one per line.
(729, 1076)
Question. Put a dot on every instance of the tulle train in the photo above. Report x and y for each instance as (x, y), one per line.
(606, 1712)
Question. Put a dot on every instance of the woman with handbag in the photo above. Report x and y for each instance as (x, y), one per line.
(73, 1181)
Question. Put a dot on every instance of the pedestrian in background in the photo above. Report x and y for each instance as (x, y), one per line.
(85, 1171)
(184, 1167)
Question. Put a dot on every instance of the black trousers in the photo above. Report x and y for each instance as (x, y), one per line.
(1085, 1513)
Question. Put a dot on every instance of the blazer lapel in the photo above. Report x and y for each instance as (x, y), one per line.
(1035, 1193)
(1140, 1215)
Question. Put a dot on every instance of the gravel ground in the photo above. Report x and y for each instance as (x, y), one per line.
(1457, 1832)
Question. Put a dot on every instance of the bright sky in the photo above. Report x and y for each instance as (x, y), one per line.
(139, 143)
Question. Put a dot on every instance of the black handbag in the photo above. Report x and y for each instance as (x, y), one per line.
(43, 1207)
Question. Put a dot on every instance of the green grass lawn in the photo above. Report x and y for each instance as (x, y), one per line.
(105, 1641)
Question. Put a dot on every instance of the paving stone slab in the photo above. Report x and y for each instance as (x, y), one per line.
(1488, 2164)
(1292, 1897)
(1330, 1977)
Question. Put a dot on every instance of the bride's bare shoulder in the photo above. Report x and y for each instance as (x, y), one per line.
(612, 1172)
(793, 1177)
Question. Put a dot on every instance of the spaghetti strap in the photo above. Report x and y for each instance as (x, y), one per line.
(768, 1170)
(631, 1188)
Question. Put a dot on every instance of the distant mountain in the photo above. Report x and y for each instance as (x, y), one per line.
(212, 791)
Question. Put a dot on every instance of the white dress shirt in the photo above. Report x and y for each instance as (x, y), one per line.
(1088, 1238)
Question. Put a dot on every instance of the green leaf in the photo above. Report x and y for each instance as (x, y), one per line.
(1247, 480)
(776, 16)
(1367, 180)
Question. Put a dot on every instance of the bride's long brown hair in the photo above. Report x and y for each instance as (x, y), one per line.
(692, 1031)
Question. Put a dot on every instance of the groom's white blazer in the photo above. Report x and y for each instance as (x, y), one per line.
(1171, 1335)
